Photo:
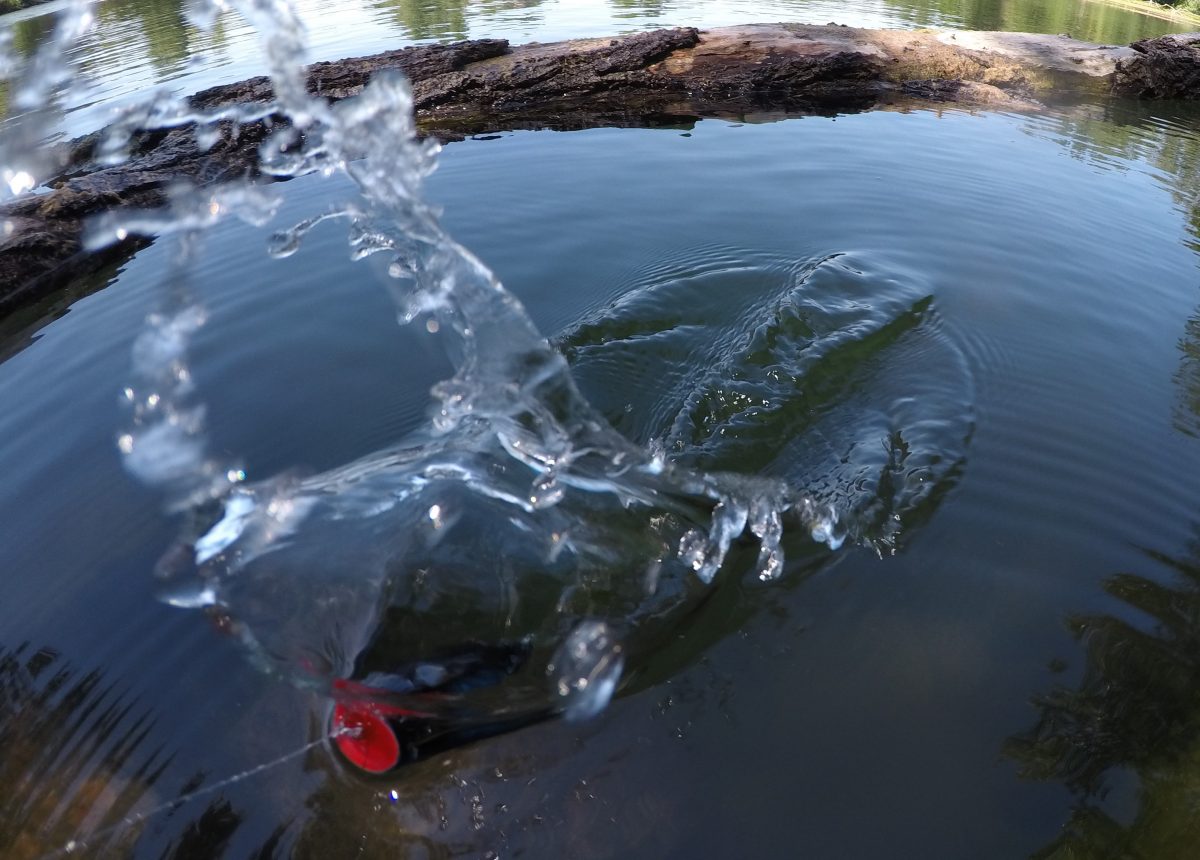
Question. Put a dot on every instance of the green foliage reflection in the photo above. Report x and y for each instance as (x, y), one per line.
(1187, 411)
(1136, 711)
(445, 20)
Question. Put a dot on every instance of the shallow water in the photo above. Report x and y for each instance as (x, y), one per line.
(1006, 305)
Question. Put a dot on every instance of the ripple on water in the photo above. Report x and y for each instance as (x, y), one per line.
(836, 372)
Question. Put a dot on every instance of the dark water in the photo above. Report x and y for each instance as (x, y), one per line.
(145, 43)
(1024, 659)
(1014, 672)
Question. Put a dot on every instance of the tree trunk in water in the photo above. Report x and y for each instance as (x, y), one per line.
(645, 79)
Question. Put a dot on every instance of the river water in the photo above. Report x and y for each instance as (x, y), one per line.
(1003, 665)
(147, 43)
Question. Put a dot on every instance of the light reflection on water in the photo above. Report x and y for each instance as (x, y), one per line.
(145, 43)
(1058, 254)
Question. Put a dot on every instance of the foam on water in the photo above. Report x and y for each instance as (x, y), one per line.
(518, 519)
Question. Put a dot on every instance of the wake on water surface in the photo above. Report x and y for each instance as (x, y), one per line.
(504, 563)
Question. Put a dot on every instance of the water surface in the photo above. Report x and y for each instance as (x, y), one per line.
(1016, 300)
(146, 43)
(981, 332)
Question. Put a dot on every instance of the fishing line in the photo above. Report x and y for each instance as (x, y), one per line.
(139, 817)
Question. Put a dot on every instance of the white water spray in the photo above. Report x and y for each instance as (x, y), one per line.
(534, 491)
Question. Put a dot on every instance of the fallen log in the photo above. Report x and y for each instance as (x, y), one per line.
(644, 79)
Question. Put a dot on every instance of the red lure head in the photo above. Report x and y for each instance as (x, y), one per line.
(365, 738)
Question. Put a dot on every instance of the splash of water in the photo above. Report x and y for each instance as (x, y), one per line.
(519, 516)
(38, 85)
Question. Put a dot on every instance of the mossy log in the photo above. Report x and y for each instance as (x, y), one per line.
(662, 76)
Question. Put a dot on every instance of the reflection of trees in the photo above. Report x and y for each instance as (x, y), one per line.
(445, 19)
(79, 761)
(1187, 412)
(162, 23)
(639, 8)
(26, 36)
(169, 39)
(72, 755)
(29, 33)
(1092, 22)
(429, 19)
(1163, 136)
(1136, 711)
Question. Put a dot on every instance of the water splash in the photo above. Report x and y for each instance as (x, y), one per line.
(27, 154)
(586, 669)
(519, 517)
(837, 371)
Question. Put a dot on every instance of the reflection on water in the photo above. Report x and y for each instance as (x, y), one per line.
(138, 43)
(143, 43)
(428, 19)
(448, 20)
(1187, 411)
(161, 27)
(965, 232)
(1112, 133)
(1134, 716)
(1125, 739)
(78, 754)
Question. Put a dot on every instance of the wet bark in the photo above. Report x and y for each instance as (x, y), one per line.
(1164, 68)
(661, 77)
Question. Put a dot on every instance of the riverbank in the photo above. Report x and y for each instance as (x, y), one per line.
(644, 79)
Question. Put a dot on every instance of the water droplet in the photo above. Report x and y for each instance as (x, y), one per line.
(586, 668)
(207, 136)
(546, 491)
(19, 181)
(435, 516)
(191, 596)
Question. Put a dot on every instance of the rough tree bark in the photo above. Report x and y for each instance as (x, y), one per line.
(636, 80)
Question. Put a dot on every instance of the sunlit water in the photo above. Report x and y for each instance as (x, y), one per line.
(145, 43)
(1000, 310)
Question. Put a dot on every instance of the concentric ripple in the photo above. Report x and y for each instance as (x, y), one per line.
(843, 356)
